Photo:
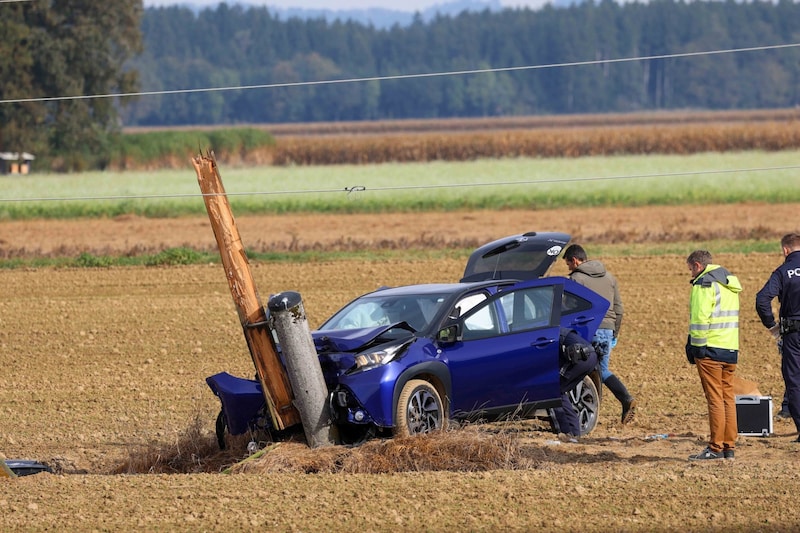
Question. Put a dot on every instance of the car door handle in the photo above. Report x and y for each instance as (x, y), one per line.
(539, 343)
(582, 320)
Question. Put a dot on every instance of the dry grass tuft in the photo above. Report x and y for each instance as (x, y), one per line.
(194, 450)
(465, 450)
(469, 449)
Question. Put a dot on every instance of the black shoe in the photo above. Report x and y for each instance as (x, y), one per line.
(628, 410)
(706, 454)
(568, 437)
(728, 454)
(783, 413)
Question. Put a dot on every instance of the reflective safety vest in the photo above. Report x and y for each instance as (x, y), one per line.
(714, 309)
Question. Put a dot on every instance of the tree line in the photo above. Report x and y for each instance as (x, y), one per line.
(52, 54)
(231, 46)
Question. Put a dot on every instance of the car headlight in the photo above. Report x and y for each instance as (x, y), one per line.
(378, 357)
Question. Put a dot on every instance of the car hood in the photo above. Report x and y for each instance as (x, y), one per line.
(353, 340)
(522, 257)
(346, 340)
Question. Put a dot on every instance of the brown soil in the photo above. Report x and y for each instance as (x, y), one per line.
(127, 235)
(102, 368)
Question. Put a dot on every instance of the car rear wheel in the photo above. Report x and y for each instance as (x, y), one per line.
(260, 430)
(221, 427)
(419, 409)
(586, 400)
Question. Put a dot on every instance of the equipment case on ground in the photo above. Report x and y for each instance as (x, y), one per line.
(754, 415)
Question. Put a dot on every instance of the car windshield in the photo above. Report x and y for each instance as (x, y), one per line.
(377, 309)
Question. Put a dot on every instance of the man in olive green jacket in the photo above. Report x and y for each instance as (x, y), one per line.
(593, 274)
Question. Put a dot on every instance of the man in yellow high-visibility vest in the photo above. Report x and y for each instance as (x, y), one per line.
(713, 346)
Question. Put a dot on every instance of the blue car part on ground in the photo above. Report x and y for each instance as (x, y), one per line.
(26, 467)
(242, 402)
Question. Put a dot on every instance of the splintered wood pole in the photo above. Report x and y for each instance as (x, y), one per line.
(271, 374)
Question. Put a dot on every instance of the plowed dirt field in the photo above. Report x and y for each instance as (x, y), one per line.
(105, 368)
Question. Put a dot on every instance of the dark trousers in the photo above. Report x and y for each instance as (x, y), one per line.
(566, 417)
(572, 373)
(790, 368)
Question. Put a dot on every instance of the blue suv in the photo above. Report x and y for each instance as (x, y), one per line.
(407, 360)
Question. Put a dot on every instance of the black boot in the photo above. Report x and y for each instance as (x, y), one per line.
(621, 393)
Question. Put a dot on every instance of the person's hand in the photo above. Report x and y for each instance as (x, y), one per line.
(775, 331)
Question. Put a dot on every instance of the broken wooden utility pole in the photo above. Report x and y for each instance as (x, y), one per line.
(271, 374)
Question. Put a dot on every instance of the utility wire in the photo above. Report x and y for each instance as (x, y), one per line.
(403, 76)
(362, 188)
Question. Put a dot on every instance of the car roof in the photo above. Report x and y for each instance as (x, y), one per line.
(431, 288)
(523, 257)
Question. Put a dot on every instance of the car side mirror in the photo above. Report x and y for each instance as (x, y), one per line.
(448, 335)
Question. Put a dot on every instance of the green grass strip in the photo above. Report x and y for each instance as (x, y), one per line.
(184, 256)
(524, 183)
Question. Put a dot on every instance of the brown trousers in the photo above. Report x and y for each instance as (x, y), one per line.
(717, 380)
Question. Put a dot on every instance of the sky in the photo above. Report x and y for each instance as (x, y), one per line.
(398, 5)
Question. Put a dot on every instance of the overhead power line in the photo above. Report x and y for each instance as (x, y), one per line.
(402, 76)
(362, 188)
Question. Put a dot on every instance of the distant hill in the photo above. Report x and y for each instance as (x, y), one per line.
(386, 18)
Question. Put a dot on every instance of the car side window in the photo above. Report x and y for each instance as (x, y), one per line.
(572, 303)
(481, 322)
(530, 308)
(466, 303)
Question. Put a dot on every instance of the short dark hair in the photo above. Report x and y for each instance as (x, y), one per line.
(575, 251)
(791, 241)
(699, 256)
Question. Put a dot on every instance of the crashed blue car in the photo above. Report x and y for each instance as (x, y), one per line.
(407, 360)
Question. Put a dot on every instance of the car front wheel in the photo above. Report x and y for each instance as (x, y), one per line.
(419, 409)
(586, 400)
